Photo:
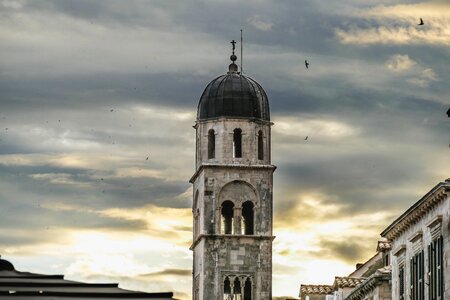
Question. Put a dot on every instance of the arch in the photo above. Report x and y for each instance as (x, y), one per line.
(238, 191)
(248, 217)
(237, 143)
(211, 144)
(227, 214)
(248, 289)
(237, 287)
(260, 145)
(226, 287)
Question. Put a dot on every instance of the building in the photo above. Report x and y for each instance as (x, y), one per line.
(412, 260)
(23, 286)
(316, 292)
(420, 248)
(232, 191)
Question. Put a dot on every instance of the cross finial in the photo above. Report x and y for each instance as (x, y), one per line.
(234, 45)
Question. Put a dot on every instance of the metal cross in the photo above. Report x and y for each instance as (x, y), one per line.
(234, 45)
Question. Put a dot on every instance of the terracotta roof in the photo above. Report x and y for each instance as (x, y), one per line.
(367, 286)
(343, 282)
(319, 289)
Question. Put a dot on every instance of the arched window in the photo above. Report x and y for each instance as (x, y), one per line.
(226, 289)
(248, 289)
(211, 144)
(248, 216)
(260, 145)
(237, 291)
(227, 217)
(237, 288)
(237, 142)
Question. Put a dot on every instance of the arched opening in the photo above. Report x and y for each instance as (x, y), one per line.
(227, 217)
(226, 289)
(248, 217)
(260, 145)
(248, 289)
(237, 143)
(237, 291)
(211, 144)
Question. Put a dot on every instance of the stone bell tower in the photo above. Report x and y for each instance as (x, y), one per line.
(232, 186)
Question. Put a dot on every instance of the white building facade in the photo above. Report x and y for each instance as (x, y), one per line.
(420, 248)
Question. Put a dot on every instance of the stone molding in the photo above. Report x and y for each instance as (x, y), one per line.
(230, 166)
(418, 210)
(230, 236)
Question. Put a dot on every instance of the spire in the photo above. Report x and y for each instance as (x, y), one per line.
(233, 68)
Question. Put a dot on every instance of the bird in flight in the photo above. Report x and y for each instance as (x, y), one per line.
(421, 22)
(306, 64)
(306, 137)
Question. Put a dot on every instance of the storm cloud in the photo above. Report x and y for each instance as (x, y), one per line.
(98, 99)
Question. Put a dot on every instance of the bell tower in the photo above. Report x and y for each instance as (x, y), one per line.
(232, 191)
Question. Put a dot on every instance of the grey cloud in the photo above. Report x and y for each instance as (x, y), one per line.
(170, 272)
(347, 250)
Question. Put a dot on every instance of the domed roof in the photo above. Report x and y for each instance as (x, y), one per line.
(6, 265)
(233, 95)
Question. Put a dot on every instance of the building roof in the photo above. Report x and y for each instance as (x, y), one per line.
(316, 289)
(347, 282)
(25, 285)
(365, 287)
(418, 210)
(233, 95)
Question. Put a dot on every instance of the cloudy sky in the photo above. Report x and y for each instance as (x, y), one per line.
(90, 89)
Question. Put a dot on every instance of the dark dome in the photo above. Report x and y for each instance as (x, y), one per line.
(6, 265)
(233, 95)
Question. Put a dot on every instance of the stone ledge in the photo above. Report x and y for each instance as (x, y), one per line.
(230, 236)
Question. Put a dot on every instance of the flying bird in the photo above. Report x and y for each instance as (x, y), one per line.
(111, 110)
(421, 22)
(306, 64)
(146, 158)
(306, 137)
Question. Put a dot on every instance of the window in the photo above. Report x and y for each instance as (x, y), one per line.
(227, 217)
(237, 288)
(247, 216)
(260, 145)
(401, 283)
(237, 143)
(417, 277)
(386, 259)
(211, 144)
(435, 270)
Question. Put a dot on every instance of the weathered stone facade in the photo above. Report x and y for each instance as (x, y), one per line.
(232, 206)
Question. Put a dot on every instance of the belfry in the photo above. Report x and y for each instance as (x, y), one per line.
(232, 191)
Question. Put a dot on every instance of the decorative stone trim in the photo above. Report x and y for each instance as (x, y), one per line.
(417, 211)
(230, 236)
(435, 227)
(229, 166)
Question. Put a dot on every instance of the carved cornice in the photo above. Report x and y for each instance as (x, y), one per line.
(368, 286)
(230, 166)
(438, 194)
(230, 236)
